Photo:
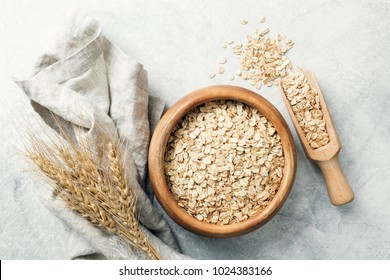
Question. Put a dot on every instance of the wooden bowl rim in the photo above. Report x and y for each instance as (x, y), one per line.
(166, 126)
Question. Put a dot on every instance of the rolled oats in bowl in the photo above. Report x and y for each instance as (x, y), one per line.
(224, 162)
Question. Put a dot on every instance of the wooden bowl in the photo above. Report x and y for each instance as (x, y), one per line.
(158, 146)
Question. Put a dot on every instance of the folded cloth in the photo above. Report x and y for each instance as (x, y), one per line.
(92, 86)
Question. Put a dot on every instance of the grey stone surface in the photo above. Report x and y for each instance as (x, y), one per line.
(345, 43)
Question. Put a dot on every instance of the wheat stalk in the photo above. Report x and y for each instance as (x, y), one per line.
(98, 192)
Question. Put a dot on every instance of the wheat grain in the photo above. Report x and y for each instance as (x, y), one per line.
(100, 194)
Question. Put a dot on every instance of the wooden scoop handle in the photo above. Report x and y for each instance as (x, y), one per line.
(339, 190)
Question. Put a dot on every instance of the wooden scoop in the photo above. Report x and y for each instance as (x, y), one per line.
(326, 157)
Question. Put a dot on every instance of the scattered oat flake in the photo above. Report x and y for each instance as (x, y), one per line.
(211, 75)
(265, 31)
(222, 61)
(262, 59)
(231, 77)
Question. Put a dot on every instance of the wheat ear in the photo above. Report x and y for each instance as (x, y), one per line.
(99, 193)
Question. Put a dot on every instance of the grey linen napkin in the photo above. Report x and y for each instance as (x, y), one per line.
(94, 88)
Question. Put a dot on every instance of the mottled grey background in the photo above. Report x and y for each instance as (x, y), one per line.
(345, 43)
